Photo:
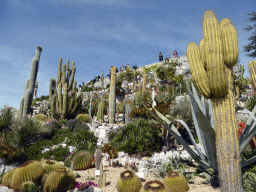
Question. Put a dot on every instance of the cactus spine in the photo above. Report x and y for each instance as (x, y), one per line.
(59, 102)
(26, 101)
(144, 79)
(100, 115)
(112, 96)
(221, 49)
(102, 180)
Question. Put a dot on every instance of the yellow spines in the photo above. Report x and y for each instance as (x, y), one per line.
(82, 160)
(252, 70)
(28, 172)
(154, 186)
(229, 42)
(7, 177)
(128, 181)
(176, 182)
(197, 69)
(59, 180)
(202, 53)
(214, 55)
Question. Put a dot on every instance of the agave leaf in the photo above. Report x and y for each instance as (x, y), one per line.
(249, 131)
(204, 130)
(176, 134)
(248, 162)
(191, 137)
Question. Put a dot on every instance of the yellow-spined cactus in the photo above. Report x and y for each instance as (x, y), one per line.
(49, 166)
(128, 182)
(176, 182)
(28, 186)
(39, 117)
(221, 53)
(112, 96)
(252, 70)
(154, 186)
(85, 118)
(29, 171)
(7, 177)
(60, 180)
(82, 160)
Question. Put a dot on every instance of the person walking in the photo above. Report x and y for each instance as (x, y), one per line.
(160, 57)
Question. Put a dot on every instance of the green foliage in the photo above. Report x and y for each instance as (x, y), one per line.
(86, 89)
(250, 103)
(9, 153)
(59, 153)
(249, 181)
(119, 89)
(25, 133)
(75, 125)
(136, 137)
(62, 121)
(40, 99)
(109, 149)
(84, 140)
(148, 69)
(39, 117)
(6, 119)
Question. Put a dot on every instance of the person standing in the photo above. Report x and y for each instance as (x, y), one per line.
(160, 57)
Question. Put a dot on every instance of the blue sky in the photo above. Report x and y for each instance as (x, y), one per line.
(99, 33)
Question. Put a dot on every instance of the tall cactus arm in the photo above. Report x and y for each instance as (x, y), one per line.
(73, 71)
(112, 96)
(59, 71)
(21, 108)
(214, 55)
(65, 99)
(202, 52)
(63, 75)
(252, 69)
(60, 97)
(26, 103)
(197, 69)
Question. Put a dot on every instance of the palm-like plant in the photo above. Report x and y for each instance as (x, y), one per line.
(6, 119)
(250, 103)
(26, 132)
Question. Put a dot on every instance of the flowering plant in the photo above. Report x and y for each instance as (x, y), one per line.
(83, 186)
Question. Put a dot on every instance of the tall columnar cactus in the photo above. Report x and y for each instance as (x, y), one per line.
(26, 101)
(216, 82)
(102, 180)
(98, 157)
(144, 79)
(252, 70)
(112, 96)
(100, 114)
(59, 102)
(137, 99)
(126, 112)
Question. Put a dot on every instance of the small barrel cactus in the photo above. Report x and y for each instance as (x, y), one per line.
(28, 186)
(60, 180)
(7, 177)
(85, 118)
(82, 160)
(29, 171)
(176, 182)
(128, 181)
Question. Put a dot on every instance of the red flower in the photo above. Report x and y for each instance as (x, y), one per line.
(93, 104)
(95, 109)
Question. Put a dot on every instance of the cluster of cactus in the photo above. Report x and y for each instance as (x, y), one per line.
(112, 96)
(60, 107)
(82, 160)
(53, 176)
(173, 181)
(100, 114)
(102, 180)
(26, 101)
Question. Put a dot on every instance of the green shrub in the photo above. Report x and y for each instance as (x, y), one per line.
(59, 153)
(62, 121)
(84, 140)
(136, 137)
(39, 117)
(76, 125)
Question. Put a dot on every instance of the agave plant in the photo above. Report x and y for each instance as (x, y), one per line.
(206, 157)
